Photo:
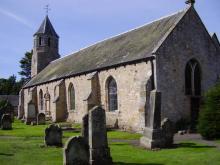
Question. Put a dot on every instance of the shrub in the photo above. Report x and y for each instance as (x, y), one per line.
(209, 118)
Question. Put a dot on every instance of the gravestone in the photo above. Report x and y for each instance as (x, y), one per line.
(76, 152)
(152, 133)
(168, 132)
(41, 119)
(99, 150)
(53, 135)
(6, 122)
(85, 128)
(31, 113)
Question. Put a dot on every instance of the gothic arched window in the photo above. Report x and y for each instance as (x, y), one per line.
(71, 96)
(40, 41)
(49, 41)
(193, 78)
(112, 94)
(41, 100)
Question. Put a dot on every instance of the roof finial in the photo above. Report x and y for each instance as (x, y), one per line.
(190, 2)
(47, 9)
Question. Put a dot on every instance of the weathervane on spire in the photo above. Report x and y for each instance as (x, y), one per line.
(47, 9)
(191, 2)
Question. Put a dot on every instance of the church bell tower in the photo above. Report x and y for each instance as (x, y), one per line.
(46, 47)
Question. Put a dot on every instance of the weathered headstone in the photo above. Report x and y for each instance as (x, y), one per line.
(152, 133)
(41, 119)
(6, 122)
(99, 150)
(85, 128)
(168, 132)
(53, 135)
(31, 113)
(76, 152)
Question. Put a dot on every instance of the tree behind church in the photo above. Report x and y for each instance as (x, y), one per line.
(9, 86)
(25, 64)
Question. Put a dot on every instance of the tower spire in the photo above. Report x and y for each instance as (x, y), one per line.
(190, 2)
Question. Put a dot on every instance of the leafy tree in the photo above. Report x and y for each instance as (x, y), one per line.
(209, 119)
(10, 86)
(25, 64)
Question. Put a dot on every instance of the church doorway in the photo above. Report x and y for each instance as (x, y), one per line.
(193, 90)
(195, 106)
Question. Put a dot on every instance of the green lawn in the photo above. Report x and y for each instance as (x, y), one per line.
(24, 146)
(22, 130)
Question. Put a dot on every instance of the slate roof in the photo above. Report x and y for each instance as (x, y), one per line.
(13, 99)
(46, 28)
(128, 47)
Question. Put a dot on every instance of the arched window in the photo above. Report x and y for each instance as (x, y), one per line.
(49, 41)
(71, 96)
(41, 100)
(40, 41)
(112, 94)
(193, 78)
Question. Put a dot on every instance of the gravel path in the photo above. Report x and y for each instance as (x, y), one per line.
(177, 139)
(195, 138)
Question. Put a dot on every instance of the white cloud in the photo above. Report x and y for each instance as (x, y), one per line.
(16, 18)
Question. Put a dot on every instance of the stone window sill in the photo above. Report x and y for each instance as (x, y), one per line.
(72, 111)
(115, 111)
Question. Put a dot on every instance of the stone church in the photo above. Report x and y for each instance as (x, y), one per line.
(175, 55)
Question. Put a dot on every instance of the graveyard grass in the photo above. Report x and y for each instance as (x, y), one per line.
(24, 145)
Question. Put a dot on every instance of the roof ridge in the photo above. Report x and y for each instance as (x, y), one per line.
(114, 36)
(169, 31)
(132, 46)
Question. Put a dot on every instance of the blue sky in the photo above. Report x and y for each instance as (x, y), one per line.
(80, 23)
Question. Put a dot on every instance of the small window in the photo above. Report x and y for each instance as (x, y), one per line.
(112, 94)
(41, 100)
(49, 41)
(40, 41)
(71, 93)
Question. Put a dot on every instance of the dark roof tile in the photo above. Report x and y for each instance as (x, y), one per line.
(46, 28)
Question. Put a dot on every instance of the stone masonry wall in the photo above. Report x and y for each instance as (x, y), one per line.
(188, 40)
(131, 84)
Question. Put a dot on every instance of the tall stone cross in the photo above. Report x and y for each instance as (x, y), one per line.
(47, 9)
(191, 2)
